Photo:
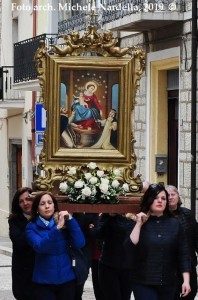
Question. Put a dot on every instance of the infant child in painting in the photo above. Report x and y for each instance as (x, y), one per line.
(81, 100)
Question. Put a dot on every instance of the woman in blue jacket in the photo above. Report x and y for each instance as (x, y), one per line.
(53, 273)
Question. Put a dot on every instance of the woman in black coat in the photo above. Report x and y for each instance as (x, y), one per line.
(159, 247)
(190, 225)
(23, 255)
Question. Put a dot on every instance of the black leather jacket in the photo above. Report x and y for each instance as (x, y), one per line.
(162, 250)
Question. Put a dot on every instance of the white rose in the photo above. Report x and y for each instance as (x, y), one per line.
(100, 173)
(105, 180)
(126, 187)
(104, 188)
(92, 165)
(94, 191)
(79, 184)
(86, 192)
(72, 171)
(115, 183)
(116, 172)
(88, 176)
(93, 180)
(63, 187)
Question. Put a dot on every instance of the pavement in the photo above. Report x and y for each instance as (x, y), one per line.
(5, 246)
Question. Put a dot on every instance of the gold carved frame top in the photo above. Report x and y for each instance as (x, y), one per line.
(73, 45)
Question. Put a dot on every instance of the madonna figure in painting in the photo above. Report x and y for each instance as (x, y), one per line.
(87, 113)
(91, 99)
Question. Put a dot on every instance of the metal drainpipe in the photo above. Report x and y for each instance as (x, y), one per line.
(193, 106)
(33, 93)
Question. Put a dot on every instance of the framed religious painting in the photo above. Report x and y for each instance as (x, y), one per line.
(89, 110)
(88, 89)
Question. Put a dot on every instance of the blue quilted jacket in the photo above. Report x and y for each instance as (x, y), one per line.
(53, 263)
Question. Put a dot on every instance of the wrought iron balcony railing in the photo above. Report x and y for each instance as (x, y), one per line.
(24, 51)
(111, 10)
(6, 81)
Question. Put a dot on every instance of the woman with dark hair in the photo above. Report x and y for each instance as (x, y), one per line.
(190, 226)
(159, 248)
(51, 233)
(22, 255)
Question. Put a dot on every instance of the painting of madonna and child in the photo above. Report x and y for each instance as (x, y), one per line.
(89, 103)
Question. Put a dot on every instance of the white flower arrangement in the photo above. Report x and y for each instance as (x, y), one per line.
(89, 184)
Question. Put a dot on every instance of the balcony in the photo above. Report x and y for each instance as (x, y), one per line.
(25, 77)
(14, 80)
(9, 98)
(130, 15)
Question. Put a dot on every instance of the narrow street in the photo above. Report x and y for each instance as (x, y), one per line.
(5, 278)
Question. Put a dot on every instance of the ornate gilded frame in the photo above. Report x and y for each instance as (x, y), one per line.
(127, 63)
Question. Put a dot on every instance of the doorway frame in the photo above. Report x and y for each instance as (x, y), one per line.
(13, 176)
(158, 63)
